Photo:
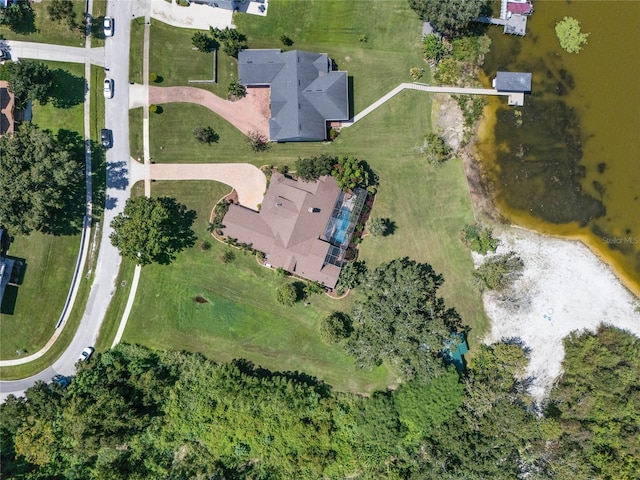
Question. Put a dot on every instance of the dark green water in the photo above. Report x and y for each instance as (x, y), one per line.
(568, 162)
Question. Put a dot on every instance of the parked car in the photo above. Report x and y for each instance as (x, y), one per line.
(107, 25)
(4, 55)
(108, 88)
(86, 354)
(61, 380)
(107, 138)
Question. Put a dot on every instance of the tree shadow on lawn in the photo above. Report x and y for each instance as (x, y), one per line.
(68, 90)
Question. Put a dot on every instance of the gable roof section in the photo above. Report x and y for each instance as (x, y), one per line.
(289, 225)
(305, 92)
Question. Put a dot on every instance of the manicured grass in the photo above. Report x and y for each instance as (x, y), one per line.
(50, 259)
(428, 205)
(136, 49)
(172, 140)
(242, 318)
(69, 92)
(31, 368)
(135, 133)
(98, 14)
(44, 30)
(186, 64)
(336, 27)
(118, 302)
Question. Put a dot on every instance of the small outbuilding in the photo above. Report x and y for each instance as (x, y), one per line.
(512, 82)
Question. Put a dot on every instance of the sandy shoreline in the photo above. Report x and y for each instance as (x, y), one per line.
(565, 287)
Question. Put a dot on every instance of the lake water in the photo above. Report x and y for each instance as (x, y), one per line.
(568, 162)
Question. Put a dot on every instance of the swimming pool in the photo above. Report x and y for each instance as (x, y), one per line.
(342, 224)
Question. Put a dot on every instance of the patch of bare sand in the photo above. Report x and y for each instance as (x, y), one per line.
(564, 288)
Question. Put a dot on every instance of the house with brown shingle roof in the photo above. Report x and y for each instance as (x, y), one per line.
(7, 102)
(302, 227)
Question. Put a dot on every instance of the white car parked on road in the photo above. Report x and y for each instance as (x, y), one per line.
(108, 88)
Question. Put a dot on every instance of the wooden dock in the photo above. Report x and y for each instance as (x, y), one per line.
(513, 98)
(513, 23)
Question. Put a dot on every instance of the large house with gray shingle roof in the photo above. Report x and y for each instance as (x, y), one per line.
(305, 92)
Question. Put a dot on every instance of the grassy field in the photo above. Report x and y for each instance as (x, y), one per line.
(43, 30)
(242, 318)
(98, 13)
(377, 63)
(428, 205)
(50, 259)
(186, 63)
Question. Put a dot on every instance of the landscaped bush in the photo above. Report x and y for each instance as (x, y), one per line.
(433, 47)
(435, 149)
(236, 90)
(448, 72)
(497, 273)
(377, 226)
(416, 73)
(311, 168)
(470, 48)
(205, 135)
(287, 294)
(479, 239)
(313, 288)
(352, 275)
(335, 327)
(257, 142)
(227, 257)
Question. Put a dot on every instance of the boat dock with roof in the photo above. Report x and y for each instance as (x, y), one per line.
(513, 16)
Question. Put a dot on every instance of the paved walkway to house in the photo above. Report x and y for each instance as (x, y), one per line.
(247, 180)
(249, 114)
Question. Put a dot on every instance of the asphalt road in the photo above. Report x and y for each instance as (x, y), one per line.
(116, 60)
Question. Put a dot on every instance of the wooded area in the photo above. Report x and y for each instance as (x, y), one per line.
(135, 413)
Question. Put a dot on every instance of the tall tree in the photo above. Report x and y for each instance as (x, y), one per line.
(153, 230)
(41, 177)
(401, 319)
(596, 404)
(448, 15)
(62, 11)
(30, 80)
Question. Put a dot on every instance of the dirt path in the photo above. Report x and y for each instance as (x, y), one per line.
(250, 114)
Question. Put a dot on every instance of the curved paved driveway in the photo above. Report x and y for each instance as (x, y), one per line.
(247, 180)
(249, 114)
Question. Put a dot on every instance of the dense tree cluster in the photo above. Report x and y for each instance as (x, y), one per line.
(400, 319)
(42, 181)
(29, 80)
(18, 16)
(153, 230)
(448, 16)
(311, 168)
(233, 42)
(139, 414)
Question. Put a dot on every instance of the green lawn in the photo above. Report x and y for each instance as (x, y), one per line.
(186, 64)
(377, 65)
(98, 14)
(135, 133)
(69, 92)
(50, 259)
(428, 205)
(136, 49)
(43, 30)
(242, 318)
